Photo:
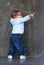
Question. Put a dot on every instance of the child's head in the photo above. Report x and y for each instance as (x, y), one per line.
(16, 14)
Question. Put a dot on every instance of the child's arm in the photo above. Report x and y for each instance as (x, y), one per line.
(28, 17)
(21, 20)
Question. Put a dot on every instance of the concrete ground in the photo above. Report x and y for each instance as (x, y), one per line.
(38, 60)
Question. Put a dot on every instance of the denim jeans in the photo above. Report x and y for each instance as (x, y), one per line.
(16, 42)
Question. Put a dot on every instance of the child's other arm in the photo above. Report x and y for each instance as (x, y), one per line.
(21, 20)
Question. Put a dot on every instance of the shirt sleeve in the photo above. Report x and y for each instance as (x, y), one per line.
(20, 20)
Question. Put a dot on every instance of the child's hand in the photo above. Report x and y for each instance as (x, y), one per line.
(32, 15)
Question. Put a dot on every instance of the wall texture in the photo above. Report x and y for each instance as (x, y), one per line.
(39, 26)
(31, 27)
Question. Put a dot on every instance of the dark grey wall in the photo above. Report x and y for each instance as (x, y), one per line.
(34, 29)
(40, 26)
(6, 6)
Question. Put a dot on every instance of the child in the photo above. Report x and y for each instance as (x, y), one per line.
(17, 22)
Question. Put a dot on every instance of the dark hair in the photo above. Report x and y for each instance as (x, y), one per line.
(14, 13)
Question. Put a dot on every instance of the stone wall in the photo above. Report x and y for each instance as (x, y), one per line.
(39, 26)
(6, 6)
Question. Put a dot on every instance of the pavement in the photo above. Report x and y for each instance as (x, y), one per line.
(37, 60)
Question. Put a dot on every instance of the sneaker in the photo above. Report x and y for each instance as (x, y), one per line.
(22, 57)
(9, 56)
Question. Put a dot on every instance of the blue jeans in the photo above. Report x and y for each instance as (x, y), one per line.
(16, 42)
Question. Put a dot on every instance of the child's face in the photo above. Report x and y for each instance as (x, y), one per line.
(19, 15)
